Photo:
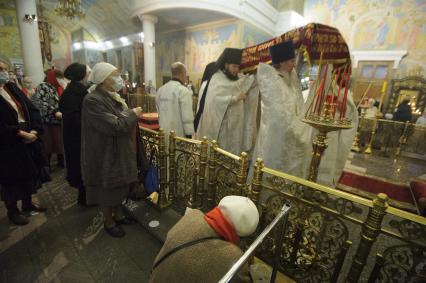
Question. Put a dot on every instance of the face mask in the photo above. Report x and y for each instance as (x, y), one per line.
(118, 83)
(4, 77)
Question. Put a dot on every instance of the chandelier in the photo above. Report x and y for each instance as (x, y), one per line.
(70, 9)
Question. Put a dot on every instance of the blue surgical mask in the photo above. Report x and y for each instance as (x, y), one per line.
(4, 77)
(118, 83)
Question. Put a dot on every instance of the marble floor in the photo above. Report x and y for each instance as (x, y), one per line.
(399, 169)
(68, 244)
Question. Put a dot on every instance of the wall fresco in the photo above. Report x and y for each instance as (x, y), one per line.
(377, 25)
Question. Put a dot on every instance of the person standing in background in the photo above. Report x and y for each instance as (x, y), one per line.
(46, 98)
(27, 87)
(174, 104)
(20, 127)
(70, 105)
(403, 112)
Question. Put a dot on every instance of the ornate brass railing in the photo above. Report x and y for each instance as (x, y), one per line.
(188, 162)
(148, 103)
(391, 137)
(331, 236)
(227, 174)
(155, 144)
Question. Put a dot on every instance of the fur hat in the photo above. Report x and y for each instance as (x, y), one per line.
(229, 56)
(75, 72)
(282, 52)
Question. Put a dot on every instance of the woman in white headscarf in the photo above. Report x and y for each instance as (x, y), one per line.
(108, 153)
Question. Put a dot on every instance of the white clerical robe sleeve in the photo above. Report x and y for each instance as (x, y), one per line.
(251, 118)
(187, 116)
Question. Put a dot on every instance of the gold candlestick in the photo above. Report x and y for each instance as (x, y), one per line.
(324, 123)
(369, 150)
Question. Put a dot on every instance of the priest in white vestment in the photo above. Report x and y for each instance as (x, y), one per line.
(283, 140)
(222, 113)
(174, 104)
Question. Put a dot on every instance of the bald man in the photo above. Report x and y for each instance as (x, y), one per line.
(174, 104)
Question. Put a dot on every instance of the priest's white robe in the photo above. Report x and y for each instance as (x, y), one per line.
(282, 139)
(223, 117)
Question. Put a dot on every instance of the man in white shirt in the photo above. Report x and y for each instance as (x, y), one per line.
(174, 104)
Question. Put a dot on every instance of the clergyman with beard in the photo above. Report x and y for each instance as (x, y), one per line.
(222, 104)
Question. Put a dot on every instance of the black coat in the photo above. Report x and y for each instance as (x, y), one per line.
(19, 162)
(403, 113)
(70, 104)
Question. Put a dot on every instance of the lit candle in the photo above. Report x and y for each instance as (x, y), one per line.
(338, 92)
(345, 96)
(321, 90)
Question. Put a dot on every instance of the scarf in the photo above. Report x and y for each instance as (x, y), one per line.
(118, 98)
(221, 226)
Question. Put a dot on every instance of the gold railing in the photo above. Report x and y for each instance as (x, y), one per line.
(187, 169)
(391, 137)
(155, 144)
(331, 236)
(227, 174)
(148, 103)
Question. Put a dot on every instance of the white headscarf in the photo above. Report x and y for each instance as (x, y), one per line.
(100, 73)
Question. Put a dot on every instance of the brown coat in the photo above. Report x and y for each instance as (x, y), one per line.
(108, 153)
(204, 262)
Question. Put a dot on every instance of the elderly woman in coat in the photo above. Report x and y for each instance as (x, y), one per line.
(20, 150)
(108, 154)
(203, 247)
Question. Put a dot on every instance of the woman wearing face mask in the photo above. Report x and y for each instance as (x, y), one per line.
(20, 127)
(70, 105)
(108, 153)
(46, 98)
(27, 87)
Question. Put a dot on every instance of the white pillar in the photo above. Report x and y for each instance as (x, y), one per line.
(148, 25)
(30, 41)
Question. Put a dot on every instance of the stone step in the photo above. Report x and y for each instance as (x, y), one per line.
(156, 222)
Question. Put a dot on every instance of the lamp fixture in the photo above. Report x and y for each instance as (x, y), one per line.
(70, 9)
(30, 18)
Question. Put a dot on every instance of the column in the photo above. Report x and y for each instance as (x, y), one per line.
(30, 41)
(148, 25)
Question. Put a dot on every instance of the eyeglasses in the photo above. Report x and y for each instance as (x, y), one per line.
(3, 68)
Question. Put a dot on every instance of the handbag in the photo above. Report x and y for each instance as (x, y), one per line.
(151, 181)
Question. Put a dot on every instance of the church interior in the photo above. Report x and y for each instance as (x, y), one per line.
(337, 174)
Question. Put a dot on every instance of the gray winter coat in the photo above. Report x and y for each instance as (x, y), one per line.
(108, 154)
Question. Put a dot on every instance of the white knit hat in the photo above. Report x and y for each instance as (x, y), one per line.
(241, 212)
(100, 73)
